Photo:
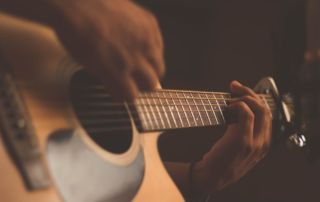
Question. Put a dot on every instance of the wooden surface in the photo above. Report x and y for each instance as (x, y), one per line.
(34, 53)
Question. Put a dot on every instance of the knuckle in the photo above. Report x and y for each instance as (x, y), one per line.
(247, 148)
(246, 112)
(242, 106)
(248, 90)
(250, 116)
(267, 114)
(152, 18)
(265, 110)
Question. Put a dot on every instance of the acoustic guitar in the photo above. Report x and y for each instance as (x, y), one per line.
(63, 138)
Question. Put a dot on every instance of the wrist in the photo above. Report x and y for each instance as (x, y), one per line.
(204, 181)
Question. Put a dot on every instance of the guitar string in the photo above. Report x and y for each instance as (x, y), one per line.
(105, 120)
(149, 111)
(120, 112)
(194, 123)
(135, 118)
(172, 98)
(106, 103)
(137, 103)
(138, 120)
(101, 87)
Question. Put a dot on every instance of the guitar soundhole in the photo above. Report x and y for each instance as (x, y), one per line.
(105, 120)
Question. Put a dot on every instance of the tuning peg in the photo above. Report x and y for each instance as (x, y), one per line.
(297, 141)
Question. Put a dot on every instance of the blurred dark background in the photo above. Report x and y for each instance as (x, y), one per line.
(212, 42)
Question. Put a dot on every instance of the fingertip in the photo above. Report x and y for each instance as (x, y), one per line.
(161, 70)
(234, 86)
(235, 83)
(160, 66)
(124, 89)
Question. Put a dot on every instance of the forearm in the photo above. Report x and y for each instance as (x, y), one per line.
(42, 11)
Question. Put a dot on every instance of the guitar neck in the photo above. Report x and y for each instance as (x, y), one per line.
(173, 109)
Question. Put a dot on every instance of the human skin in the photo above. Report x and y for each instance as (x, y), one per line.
(117, 41)
(121, 44)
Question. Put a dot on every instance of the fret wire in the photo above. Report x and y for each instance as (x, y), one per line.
(225, 104)
(184, 126)
(220, 110)
(147, 112)
(147, 95)
(195, 121)
(128, 128)
(126, 120)
(174, 120)
(175, 106)
(165, 111)
(150, 113)
(155, 115)
(143, 119)
(202, 104)
(215, 116)
(197, 108)
(185, 113)
(137, 104)
(119, 120)
(103, 95)
(159, 114)
(101, 87)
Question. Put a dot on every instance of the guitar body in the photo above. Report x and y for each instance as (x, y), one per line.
(79, 169)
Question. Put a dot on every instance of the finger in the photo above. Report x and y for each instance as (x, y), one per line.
(154, 53)
(145, 76)
(156, 59)
(246, 121)
(241, 90)
(121, 87)
(153, 48)
(262, 126)
(262, 115)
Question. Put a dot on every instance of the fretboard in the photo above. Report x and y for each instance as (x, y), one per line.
(174, 109)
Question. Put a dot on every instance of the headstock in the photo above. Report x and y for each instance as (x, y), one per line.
(285, 128)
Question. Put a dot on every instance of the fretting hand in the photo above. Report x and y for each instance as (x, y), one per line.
(244, 144)
(117, 41)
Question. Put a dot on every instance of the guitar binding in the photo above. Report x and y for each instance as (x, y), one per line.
(18, 135)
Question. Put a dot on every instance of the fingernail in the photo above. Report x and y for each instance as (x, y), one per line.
(236, 83)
